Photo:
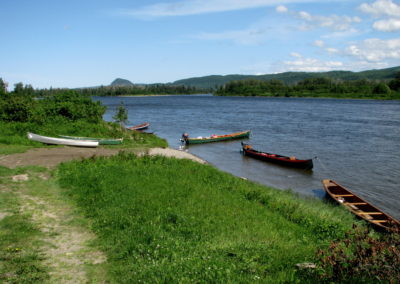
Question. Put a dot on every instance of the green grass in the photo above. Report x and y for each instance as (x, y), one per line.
(13, 135)
(176, 221)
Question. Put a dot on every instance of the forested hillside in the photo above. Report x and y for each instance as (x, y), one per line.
(290, 78)
(315, 87)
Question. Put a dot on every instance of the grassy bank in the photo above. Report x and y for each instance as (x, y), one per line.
(13, 135)
(167, 220)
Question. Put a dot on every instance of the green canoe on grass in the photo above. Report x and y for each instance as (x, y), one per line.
(215, 138)
(102, 141)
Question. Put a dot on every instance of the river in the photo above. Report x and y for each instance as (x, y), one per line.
(355, 142)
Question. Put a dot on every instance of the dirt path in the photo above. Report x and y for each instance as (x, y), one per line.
(66, 244)
(51, 157)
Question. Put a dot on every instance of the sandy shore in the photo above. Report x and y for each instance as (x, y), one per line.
(51, 157)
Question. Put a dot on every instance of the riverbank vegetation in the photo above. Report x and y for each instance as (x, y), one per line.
(66, 112)
(315, 87)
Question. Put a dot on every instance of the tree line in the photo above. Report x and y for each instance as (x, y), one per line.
(153, 89)
(310, 87)
(314, 87)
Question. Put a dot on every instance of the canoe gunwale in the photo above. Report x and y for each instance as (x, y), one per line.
(217, 138)
(102, 141)
(361, 208)
(139, 126)
(277, 159)
(61, 141)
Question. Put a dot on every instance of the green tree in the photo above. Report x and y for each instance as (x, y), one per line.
(395, 83)
(121, 115)
(382, 89)
(18, 88)
(3, 87)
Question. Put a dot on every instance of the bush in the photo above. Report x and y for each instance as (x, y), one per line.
(67, 105)
(381, 89)
(73, 106)
(361, 258)
(16, 108)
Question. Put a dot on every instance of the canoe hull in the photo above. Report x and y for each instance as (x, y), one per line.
(61, 141)
(360, 207)
(139, 127)
(102, 141)
(277, 159)
(217, 138)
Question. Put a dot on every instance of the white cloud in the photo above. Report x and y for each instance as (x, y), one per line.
(387, 10)
(319, 43)
(322, 44)
(375, 50)
(333, 22)
(282, 9)
(381, 8)
(389, 25)
(371, 50)
(251, 36)
(194, 7)
(301, 63)
(332, 50)
(295, 54)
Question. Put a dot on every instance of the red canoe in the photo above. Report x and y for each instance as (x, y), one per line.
(277, 159)
(139, 127)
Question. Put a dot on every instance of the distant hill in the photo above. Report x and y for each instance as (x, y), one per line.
(214, 81)
(121, 82)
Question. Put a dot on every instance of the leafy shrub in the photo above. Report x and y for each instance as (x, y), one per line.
(16, 108)
(360, 258)
(381, 88)
(73, 106)
(68, 105)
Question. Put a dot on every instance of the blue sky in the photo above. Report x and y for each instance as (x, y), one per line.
(79, 43)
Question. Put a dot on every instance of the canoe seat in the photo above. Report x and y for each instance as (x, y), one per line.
(370, 213)
(343, 195)
(356, 203)
(380, 221)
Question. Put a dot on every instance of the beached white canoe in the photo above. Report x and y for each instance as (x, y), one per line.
(102, 141)
(62, 141)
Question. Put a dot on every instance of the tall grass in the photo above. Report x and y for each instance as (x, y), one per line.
(168, 220)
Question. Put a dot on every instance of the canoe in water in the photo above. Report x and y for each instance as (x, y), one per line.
(277, 159)
(215, 138)
(360, 207)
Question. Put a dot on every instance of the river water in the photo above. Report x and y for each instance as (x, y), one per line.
(355, 142)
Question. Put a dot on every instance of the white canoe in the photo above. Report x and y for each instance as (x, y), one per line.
(62, 141)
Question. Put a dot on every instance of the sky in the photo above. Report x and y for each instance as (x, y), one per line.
(83, 43)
